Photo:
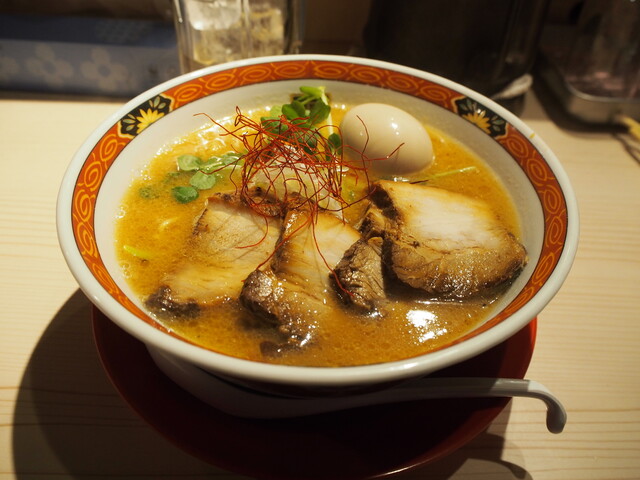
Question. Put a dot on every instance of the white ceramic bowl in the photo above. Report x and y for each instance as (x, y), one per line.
(102, 169)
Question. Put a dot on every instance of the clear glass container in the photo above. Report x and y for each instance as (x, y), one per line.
(603, 58)
(217, 31)
(590, 60)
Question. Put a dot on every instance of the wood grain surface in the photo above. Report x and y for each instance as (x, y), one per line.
(60, 418)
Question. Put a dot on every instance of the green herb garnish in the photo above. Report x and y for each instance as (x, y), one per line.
(335, 141)
(296, 120)
(148, 191)
(188, 163)
(216, 163)
(205, 174)
(184, 194)
(204, 181)
(307, 109)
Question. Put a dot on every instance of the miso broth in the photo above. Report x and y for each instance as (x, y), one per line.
(153, 228)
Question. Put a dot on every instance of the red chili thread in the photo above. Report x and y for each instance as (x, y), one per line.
(286, 151)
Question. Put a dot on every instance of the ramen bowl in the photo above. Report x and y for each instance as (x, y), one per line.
(104, 166)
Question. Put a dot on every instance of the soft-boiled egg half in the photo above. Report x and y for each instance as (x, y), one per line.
(393, 140)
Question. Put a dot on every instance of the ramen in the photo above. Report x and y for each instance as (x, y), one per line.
(237, 239)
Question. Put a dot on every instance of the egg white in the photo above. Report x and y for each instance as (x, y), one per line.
(393, 141)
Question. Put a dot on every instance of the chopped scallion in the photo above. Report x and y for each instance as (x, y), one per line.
(137, 252)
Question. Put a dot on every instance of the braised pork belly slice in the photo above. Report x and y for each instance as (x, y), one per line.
(293, 292)
(228, 242)
(359, 277)
(443, 243)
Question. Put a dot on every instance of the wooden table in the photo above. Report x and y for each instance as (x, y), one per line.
(61, 417)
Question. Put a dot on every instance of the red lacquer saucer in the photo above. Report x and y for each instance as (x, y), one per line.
(365, 443)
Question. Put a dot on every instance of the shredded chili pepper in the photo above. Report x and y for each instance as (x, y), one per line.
(294, 165)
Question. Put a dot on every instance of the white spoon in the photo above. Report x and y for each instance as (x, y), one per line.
(243, 402)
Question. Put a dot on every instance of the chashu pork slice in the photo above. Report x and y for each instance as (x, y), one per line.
(228, 242)
(444, 243)
(294, 291)
(360, 277)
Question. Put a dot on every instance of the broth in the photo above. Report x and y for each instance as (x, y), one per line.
(157, 227)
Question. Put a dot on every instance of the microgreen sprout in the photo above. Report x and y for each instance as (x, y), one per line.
(307, 109)
(205, 174)
(185, 194)
(296, 125)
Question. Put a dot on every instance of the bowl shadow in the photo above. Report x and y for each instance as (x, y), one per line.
(69, 420)
(486, 452)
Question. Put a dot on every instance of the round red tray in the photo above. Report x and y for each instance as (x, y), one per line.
(364, 443)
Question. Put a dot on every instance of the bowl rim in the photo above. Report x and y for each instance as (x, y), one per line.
(300, 375)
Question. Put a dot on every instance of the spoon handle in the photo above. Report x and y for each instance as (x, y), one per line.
(242, 402)
(476, 387)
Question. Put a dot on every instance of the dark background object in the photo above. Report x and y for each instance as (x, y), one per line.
(590, 60)
(483, 44)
